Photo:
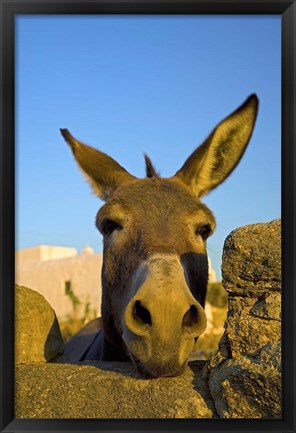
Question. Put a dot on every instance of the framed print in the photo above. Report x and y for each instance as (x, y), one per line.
(142, 295)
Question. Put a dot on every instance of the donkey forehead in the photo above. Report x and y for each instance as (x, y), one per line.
(155, 197)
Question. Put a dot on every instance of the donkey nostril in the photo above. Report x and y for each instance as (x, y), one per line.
(190, 317)
(141, 314)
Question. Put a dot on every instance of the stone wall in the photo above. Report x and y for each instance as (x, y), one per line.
(247, 367)
(242, 380)
(37, 333)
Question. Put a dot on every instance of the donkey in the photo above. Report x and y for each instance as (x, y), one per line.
(155, 268)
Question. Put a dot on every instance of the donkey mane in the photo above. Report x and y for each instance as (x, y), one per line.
(150, 169)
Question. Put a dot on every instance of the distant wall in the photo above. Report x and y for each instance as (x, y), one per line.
(42, 253)
(52, 279)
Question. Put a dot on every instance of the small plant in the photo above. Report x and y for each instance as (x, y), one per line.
(70, 293)
(74, 323)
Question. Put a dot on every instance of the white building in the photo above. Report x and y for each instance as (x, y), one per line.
(61, 276)
(58, 273)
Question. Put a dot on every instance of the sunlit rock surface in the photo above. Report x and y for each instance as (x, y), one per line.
(245, 375)
(38, 337)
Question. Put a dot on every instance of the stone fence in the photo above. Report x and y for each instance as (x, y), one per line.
(242, 380)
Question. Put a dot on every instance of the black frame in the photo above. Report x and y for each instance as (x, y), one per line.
(10, 8)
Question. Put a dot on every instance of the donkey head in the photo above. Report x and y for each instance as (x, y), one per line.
(155, 269)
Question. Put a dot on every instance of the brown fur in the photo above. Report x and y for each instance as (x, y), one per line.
(155, 269)
(150, 170)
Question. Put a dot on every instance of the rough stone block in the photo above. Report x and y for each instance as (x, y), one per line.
(109, 390)
(252, 259)
(38, 336)
(246, 387)
(245, 374)
(247, 330)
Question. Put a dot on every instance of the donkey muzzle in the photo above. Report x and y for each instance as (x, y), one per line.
(162, 320)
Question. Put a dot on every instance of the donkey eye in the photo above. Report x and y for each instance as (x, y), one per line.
(108, 227)
(204, 231)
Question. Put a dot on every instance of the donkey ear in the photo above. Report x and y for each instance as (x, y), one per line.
(212, 162)
(103, 173)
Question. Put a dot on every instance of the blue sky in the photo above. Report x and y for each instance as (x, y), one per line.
(134, 84)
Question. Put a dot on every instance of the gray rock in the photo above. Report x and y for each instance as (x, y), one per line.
(269, 307)
(252, 259)
(38, 336)
(248, 388)
(108, 390)
(245, 374)
(248, 332)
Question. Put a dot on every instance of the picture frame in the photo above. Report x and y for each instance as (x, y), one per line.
(9, 10)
